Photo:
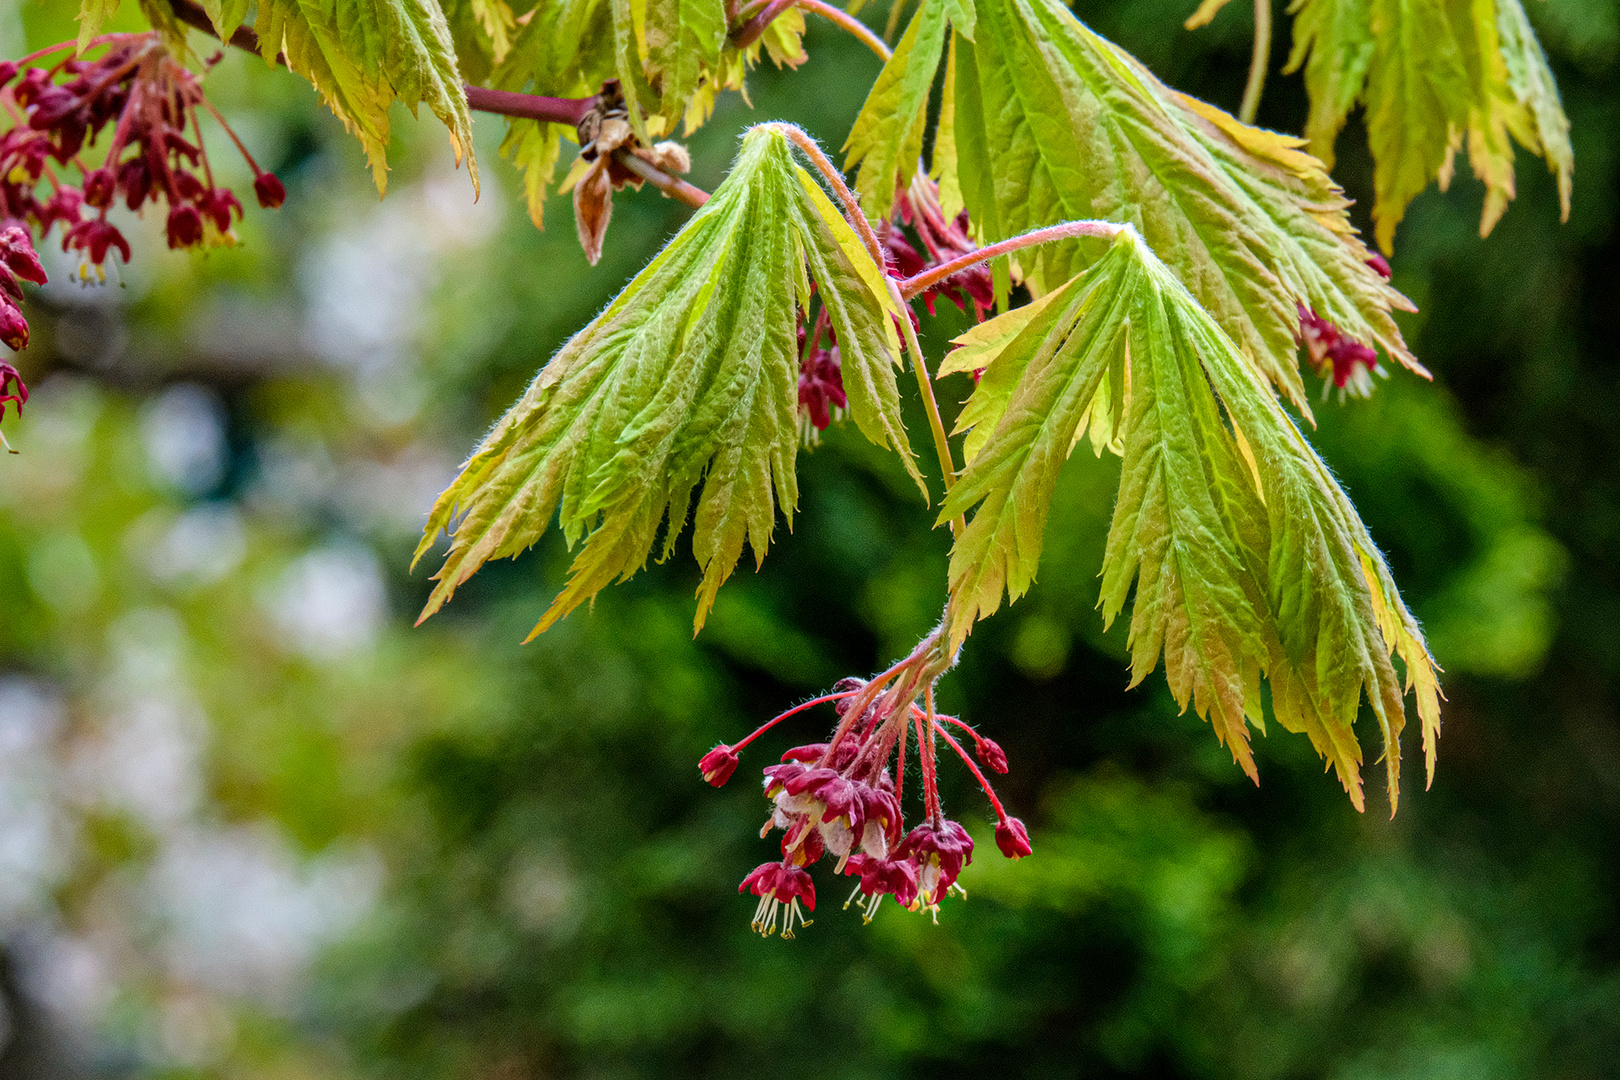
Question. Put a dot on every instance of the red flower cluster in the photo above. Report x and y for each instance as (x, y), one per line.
(821, 380)
(150, 100)
(944, 241)
(1341, 361)
(841, 797)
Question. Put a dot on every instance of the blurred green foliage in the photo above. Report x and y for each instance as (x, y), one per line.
(255, 825)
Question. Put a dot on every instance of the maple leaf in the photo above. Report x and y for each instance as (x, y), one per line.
(362, 57)
(1435, 79)
(1248, 560)
(887, 136)
(1049, 122)
(689, 376)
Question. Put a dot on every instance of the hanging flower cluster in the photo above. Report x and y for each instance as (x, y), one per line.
(821, 379)
(151, 101)
(841, 798)
(1340, 361)
(919, 208)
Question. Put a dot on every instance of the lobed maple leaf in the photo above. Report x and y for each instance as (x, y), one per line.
(1247, 558)
(1048, 122)
(690, 376)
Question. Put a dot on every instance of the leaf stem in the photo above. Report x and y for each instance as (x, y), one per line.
(852, 206)
(1258, 62)
(911, 286)
(765, 14)
(925, 385)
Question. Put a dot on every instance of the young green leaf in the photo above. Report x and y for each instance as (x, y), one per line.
(1248, 560)
(93, 15)
(689, 376)
(1531, 82)
(1434, 77)
(363, 57)
(888, 134)
(564, 50)
(1333, 42)
(1053, 123)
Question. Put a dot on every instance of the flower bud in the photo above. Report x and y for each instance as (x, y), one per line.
(17, 255)
(991, 754)
(13, 330)
(185, 227)
(99, 188)
(1012, 838)
(269, 190)
(718, 764)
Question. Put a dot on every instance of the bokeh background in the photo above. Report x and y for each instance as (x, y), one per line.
(253, 824)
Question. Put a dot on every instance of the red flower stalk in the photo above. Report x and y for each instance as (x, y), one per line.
(840, 797)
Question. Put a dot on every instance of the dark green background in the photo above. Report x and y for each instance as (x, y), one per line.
(558, 887)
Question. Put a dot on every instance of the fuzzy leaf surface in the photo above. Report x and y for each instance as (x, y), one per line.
(363, 55)
(1053, 123)
(1247, 559)
(688, 378)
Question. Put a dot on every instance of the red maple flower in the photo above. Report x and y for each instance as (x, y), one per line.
(1341, 361)
(841, 797)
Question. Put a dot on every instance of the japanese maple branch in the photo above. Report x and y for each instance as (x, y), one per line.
(765, 14)
(918, 283)
(1258, 62)
(553, 110)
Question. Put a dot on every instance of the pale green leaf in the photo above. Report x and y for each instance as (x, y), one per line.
(226, 15)
(1532, 85)
(1435, 77)
(1053, 124)
(364, 56)
(943, 165)
(887, 136)
(1333, 42)
(535, 148)
(1247, 560)
(688, 378)
(93, 15)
